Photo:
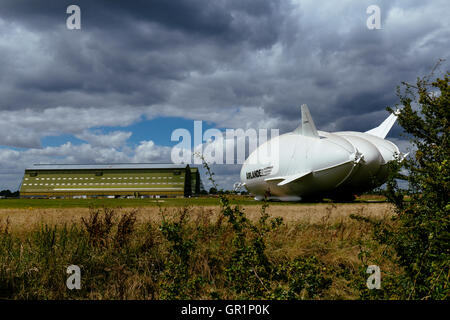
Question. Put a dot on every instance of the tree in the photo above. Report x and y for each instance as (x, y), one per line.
(420, 236)
(212, 190)
(9, 194)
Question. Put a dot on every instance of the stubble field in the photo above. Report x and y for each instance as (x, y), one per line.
(194, 251)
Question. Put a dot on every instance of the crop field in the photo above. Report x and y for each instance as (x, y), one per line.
(28, 218)
(187, 248)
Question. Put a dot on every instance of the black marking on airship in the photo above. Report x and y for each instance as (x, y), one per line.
(259, 173)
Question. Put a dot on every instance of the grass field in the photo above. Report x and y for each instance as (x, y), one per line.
(168, 202)
(114, 203)
(28, 218)
(186, 248)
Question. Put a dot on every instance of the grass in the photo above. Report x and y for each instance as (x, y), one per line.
(189, 252)
(167, 202)
(114, 203)
(28, 218)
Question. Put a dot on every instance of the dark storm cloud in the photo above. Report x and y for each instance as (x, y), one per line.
(236, 63)
(134, 53)
(213, 19)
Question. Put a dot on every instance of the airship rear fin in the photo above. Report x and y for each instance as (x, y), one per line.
(307, 128)
(383, 129)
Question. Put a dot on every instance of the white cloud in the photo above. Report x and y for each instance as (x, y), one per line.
(147, 151)
(25, 128)
(115, 139)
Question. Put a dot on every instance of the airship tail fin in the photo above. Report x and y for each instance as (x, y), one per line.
(383, 129)
(307, 128)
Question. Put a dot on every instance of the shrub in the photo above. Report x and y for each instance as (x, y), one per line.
(420, 238)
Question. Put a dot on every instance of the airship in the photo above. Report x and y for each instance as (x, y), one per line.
(309, 164)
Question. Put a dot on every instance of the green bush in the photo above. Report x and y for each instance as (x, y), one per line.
(419, 239)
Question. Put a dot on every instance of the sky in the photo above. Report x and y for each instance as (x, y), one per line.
(116, 89)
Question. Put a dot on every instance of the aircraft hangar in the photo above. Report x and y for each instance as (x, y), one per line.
(110, 180)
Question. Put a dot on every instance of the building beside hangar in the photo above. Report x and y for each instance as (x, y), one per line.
(110, 180)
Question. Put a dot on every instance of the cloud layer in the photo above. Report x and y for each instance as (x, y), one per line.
(235, 63)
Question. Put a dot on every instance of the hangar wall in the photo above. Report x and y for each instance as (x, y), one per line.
(138, 180)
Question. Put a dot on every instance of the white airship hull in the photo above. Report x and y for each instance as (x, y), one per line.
(307, 163)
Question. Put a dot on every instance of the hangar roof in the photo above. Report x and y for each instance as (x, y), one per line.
(107, 166)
